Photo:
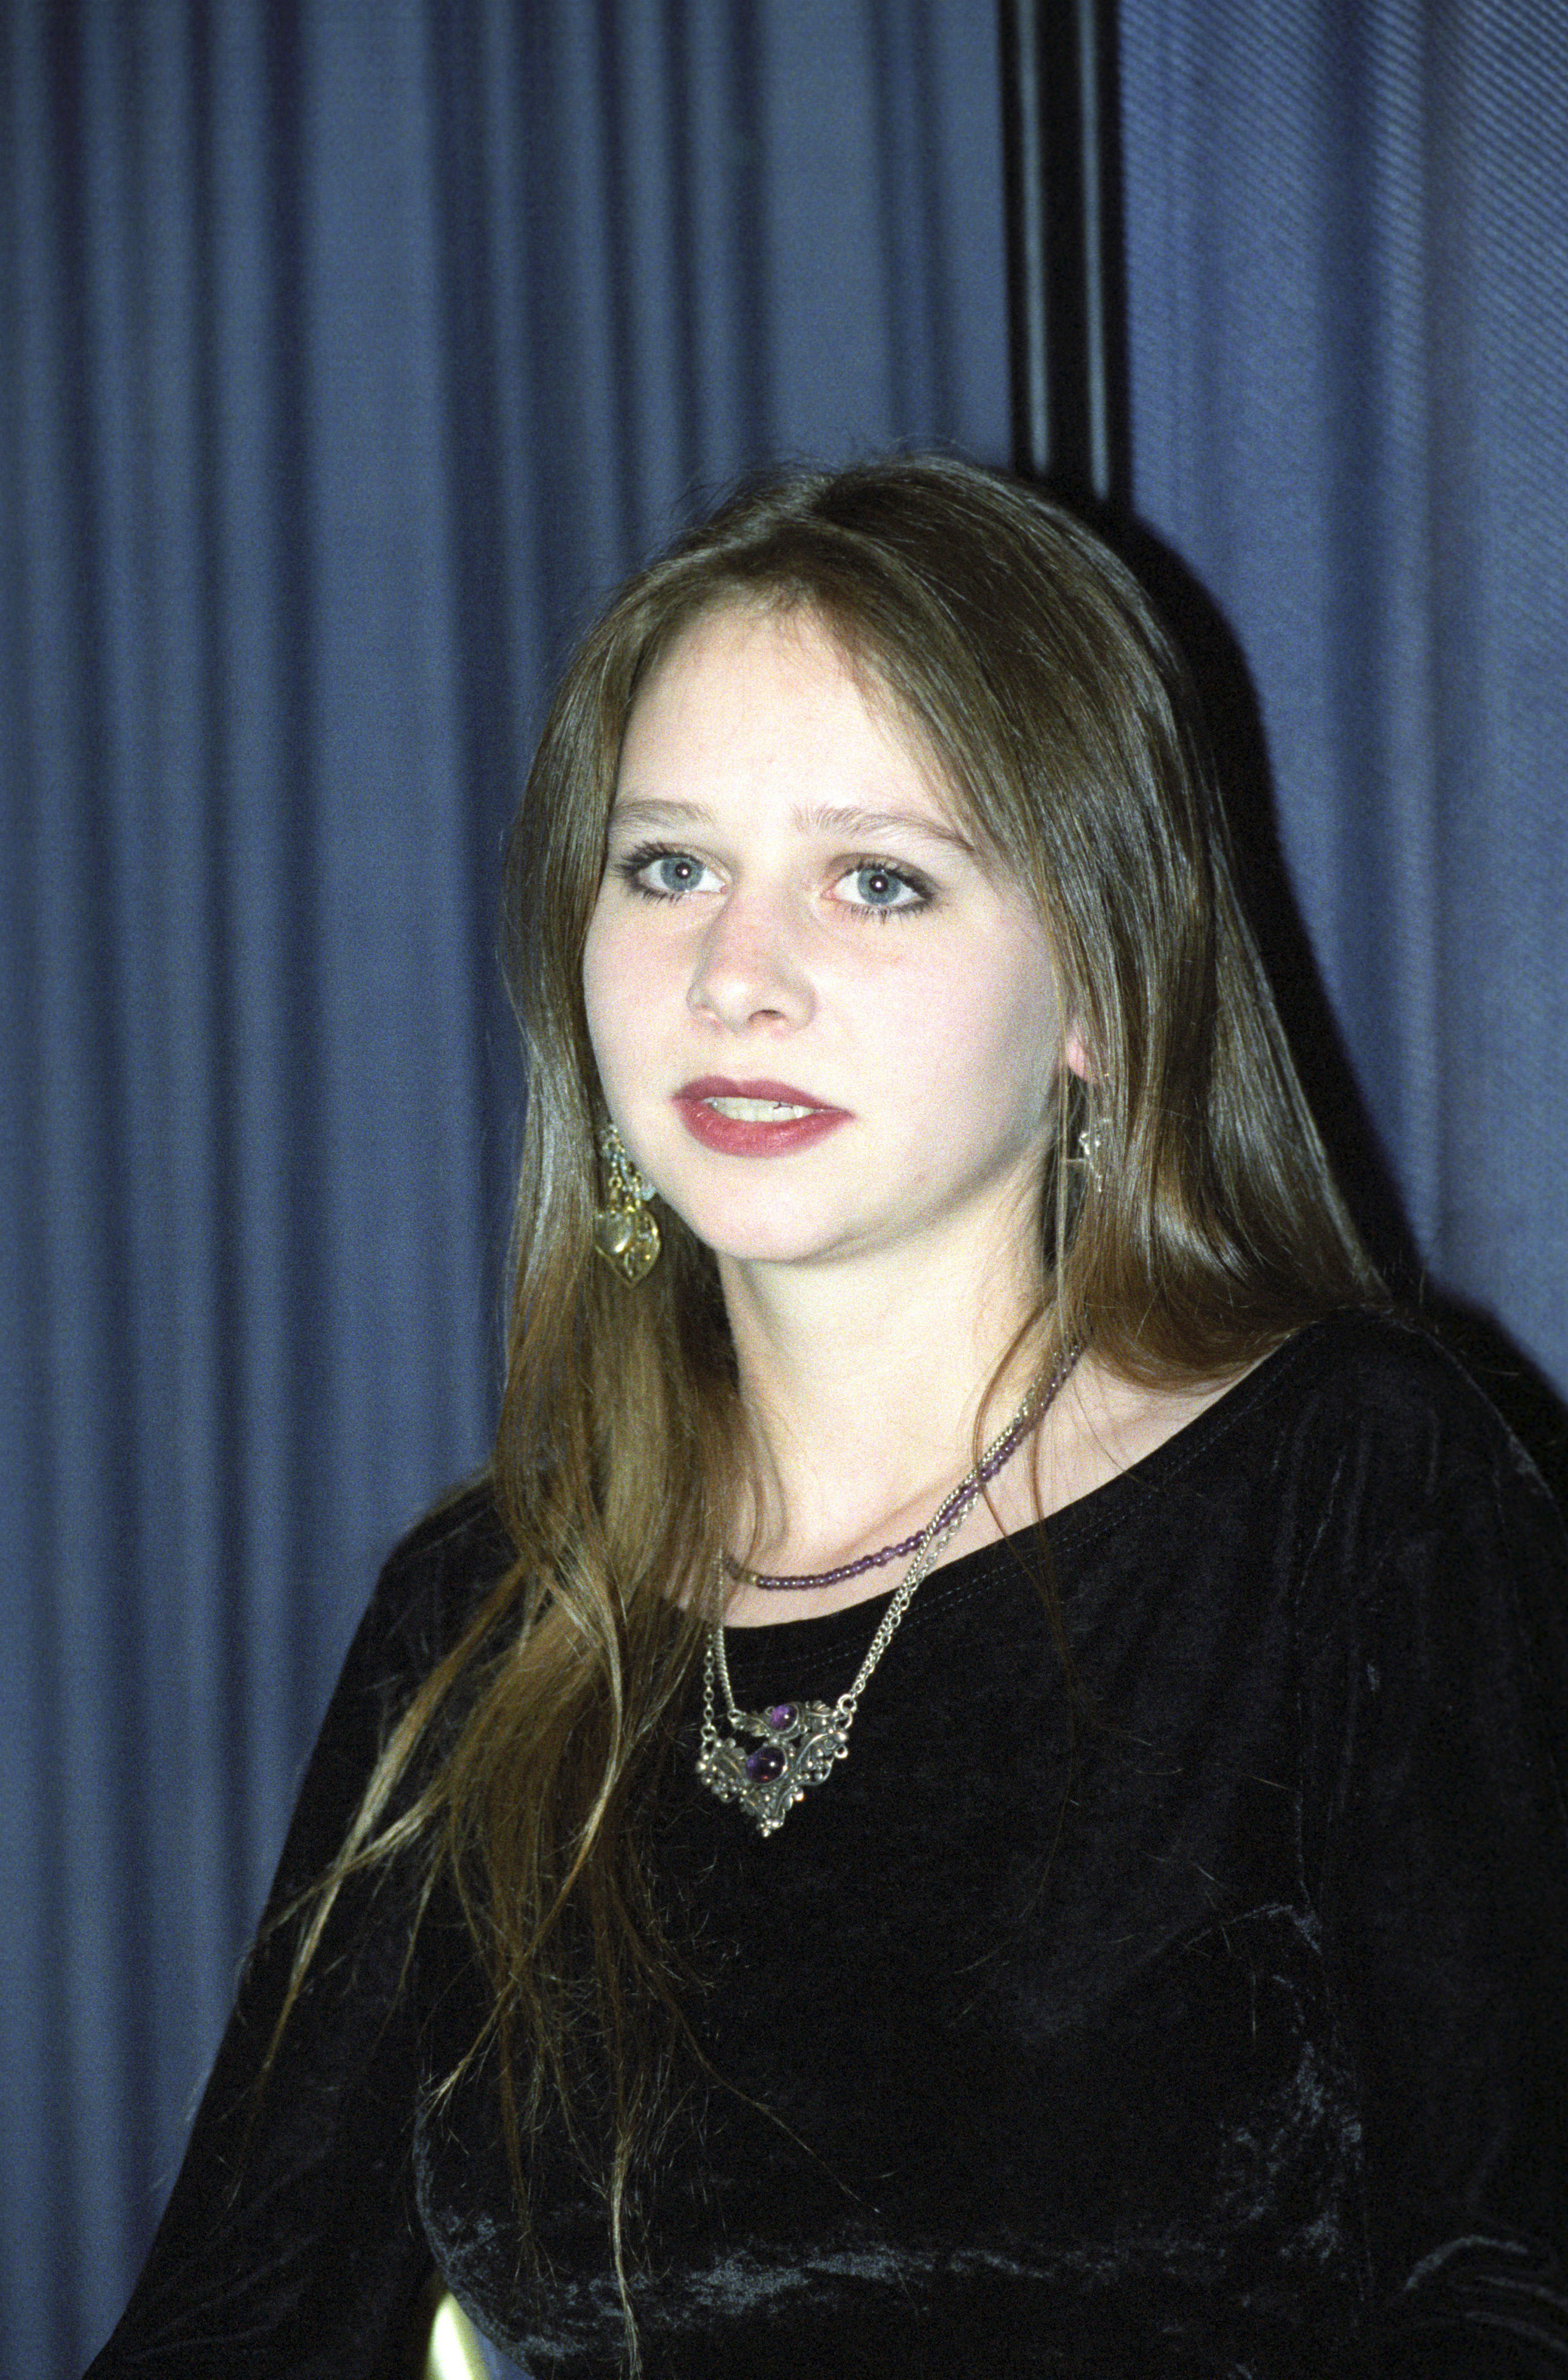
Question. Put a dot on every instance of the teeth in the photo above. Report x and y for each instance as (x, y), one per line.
(756, 1110)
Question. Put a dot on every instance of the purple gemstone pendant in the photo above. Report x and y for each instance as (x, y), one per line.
(800, 1743)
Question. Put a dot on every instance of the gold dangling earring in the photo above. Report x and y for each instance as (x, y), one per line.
(623, 1232)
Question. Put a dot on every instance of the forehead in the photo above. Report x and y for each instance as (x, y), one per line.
(762, 691)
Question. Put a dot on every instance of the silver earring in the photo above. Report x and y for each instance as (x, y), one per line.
(1092, 1143)
(623, 1232)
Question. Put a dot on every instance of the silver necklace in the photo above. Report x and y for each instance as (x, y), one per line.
(796, 1744)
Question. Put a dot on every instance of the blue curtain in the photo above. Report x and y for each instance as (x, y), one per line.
(1347, 251)
(350, 350)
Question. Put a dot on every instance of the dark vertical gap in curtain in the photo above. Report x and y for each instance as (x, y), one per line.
(488, 727)
(676, 23)
(1112, 446)
(221, 854)
(1066, 284)
(298, 960)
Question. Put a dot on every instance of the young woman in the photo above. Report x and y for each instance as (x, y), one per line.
(978, 1788)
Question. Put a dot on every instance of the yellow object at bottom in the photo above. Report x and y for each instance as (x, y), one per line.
(453, 2352)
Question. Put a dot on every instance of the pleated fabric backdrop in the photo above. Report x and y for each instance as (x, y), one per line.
(351, 349)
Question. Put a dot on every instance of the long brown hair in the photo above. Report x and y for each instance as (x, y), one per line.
(1021, 654)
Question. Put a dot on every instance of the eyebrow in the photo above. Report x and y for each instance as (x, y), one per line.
(643, 811)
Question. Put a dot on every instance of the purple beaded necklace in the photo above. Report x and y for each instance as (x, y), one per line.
(800, 1743)
(957, 1505)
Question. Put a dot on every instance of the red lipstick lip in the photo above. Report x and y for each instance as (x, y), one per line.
(766, 1137)
(719, 1086)
(734, 1136)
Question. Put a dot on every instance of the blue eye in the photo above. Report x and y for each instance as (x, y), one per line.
(656, 872)
(659, 874)
(884, 892)
(880, 886)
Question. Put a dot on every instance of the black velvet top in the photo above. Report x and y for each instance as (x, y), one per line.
(1233, 2045)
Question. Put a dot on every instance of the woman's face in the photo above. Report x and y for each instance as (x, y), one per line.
(826, 1030)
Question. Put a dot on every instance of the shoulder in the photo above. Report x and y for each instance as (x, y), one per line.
(1358, 1438)
(1430, 1592)
(435, 1578)
(1379, 1389)
(1415, 1510)
(429, 1587)
(433, 1575)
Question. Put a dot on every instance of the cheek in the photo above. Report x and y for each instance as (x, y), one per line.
(605, 976)
(992, 1036)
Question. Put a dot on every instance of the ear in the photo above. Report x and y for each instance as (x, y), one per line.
(1076, 1057)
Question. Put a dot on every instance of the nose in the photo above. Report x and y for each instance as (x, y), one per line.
(749, 966)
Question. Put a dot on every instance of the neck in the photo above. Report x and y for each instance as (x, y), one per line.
(863, 1385)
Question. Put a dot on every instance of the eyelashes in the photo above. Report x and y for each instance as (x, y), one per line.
(633, 867)
(634, 863)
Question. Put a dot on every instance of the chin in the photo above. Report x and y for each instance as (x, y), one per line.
(753, 1238)
(738, 1245)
